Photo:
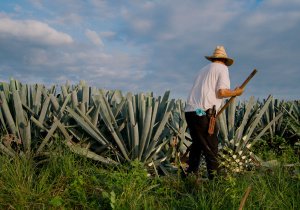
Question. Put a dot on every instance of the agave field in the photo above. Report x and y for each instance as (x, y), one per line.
(115, 129)
(102, 125)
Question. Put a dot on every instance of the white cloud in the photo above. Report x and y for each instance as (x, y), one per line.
(17, 8)
(107, 34)
(105, 9)
(281, 4)
(32, 30)
(125, 12)
(142, 25)
(207, 17)
(279, 22)
(137, 17)
(148, 5)
(36, 3)
(37, 57)
(93, 37)
(67, 19)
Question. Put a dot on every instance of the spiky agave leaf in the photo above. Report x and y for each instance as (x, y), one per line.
(242, 139)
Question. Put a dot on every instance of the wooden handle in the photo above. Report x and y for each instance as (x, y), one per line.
(248, 78)
(233, 97)
(225, 106)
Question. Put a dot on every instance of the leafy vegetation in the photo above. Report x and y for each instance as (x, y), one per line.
(99, 124)
(134, 146)
(68, 181)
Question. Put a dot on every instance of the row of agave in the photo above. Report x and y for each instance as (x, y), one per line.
(113, 128)
(100, 124)
(242, 125)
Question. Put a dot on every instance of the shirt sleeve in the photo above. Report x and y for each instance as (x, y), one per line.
(223, 79)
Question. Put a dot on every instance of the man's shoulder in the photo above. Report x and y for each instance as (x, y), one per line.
(218, 66)
(206, 68)
(214, 68)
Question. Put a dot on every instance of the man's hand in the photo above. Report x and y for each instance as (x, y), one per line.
(238, 91)
(225, 93)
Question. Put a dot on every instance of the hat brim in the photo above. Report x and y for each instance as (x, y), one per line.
(228, 61)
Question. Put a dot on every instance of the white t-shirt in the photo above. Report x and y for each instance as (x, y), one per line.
(209, 80)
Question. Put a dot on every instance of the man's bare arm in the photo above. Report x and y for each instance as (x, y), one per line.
(225, 93)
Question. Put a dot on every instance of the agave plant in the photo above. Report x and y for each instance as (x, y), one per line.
(131, 127)
(16, 122)
(29, 116)
(279, 128)
(181, 141)
(235, 151)
(100, 124)
(292, 111)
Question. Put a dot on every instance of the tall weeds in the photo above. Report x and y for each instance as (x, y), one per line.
(67, 181)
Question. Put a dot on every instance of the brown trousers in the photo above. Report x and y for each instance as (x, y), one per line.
(202, 143)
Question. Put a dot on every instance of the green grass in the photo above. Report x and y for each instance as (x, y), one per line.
(67, 181)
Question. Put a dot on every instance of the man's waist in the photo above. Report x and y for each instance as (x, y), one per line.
(211, 111)
(201, 112)
(194, 107)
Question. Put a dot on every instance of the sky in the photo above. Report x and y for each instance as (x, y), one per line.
(151, 46)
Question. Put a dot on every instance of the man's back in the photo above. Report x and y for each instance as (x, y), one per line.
(209, 80)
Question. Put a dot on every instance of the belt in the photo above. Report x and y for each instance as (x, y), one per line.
(209, 112)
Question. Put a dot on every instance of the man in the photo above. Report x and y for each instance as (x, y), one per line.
(211, 85)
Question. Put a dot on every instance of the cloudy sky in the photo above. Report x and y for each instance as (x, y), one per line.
(158, 45)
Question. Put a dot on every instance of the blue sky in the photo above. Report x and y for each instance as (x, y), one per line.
(143, 46)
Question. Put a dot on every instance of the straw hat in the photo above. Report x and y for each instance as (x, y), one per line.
(220, 53)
